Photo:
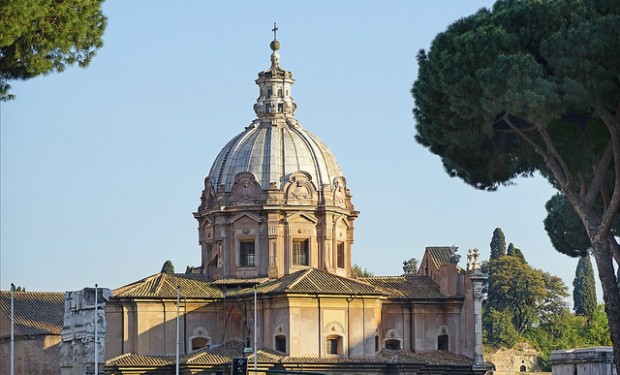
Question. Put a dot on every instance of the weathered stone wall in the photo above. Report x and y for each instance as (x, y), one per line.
(38, 355)
(584, 361)
(510, 361)
(77, 349)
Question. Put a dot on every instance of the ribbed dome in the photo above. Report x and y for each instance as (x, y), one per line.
(271, 153)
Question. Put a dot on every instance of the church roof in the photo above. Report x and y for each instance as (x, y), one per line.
(35, 313)
(312, 280)
(272, 154)
(441, 254)
(275, 145)
(407, 286)
(223, 354)
(164, 285)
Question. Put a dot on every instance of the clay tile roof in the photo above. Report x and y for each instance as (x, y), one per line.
(36, 313)
(440, 254)
(164, 285)
(235, 281)
(408, 286)
(315, 281)
(433, 358)
(133, 360)
(221, 354)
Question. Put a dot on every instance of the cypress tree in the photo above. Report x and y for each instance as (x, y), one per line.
(498, 244)
(168, 267)
(511, 250)
(519, 254)
(584, 292)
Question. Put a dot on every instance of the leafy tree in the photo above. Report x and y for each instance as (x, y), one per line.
(498, 330)
(410, 266)
(39, 37)
(498, 244)
(359, 272)
(584, 292)
(530, 295)
(168, 267)
(533, 86)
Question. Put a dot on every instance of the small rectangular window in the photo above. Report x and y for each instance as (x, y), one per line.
(247, 255)
(280, 107)
(340, 260)
(332, 345)
(281, 343)
(300, 252)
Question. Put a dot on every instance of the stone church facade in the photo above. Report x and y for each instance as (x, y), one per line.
(276, 229)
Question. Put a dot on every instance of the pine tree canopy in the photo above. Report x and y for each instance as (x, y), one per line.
(39, 37)
(532, 86)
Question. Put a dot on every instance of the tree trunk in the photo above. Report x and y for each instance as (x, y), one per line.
(601, 246)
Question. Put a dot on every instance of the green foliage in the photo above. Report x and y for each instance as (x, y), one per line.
(39, 37)
(528, 295)
(511, 250)
(410, 266)
(564, 228)
(569, 331)
(168, 267)
(359, 272)
(498, 331)
(532, 86)
(584, 291)
(498, 244)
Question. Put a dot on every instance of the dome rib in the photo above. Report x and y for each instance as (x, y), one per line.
(271, 154)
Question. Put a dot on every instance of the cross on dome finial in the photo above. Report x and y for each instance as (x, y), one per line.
(275, 30)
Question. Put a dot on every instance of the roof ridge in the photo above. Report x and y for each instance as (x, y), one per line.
(298, 279)
(159, 281)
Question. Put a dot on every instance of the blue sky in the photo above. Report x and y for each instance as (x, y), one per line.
(102, 167)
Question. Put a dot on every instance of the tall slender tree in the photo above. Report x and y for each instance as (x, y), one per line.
(511, 250)
(498, 244)
(168, 267)
(584, 291)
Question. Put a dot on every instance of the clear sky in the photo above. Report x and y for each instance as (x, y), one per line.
(102, 167)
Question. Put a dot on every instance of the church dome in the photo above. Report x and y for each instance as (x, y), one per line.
(275, 145)
(275, 200)
(272, 153)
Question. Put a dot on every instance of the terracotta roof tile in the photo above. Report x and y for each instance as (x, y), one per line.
(133, 360)
(164, 285)
(36, 313)
(315, 281)
(235, 281)
(440, 254)
(221, 354)
(408, 286)
(434, 358)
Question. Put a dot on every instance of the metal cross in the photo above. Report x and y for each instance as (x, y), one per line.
(275, 30)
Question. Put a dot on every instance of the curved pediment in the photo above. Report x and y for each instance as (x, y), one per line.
(300, 189)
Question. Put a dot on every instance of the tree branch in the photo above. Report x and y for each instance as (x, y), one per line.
(611, 211)
(600, 172)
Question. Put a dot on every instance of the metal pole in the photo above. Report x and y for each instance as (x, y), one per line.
(178, 308)
(12, 329)
(96, 346)
(255, 334)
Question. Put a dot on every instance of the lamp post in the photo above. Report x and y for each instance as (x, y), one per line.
(255, 325)
(178, 308)
(96, 346)
(12, 329)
